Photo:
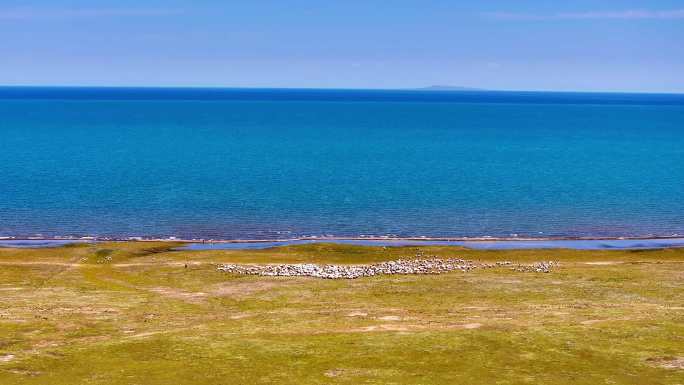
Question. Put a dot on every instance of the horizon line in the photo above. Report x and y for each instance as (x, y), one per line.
(429, 88)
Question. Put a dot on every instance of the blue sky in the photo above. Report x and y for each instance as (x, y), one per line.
(527, 45)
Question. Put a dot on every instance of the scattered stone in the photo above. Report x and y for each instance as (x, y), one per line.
(431, 265)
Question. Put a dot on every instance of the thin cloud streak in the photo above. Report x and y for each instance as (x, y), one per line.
(592, 15)
(71, 13)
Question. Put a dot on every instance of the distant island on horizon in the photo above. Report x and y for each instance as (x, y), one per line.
(439, 87)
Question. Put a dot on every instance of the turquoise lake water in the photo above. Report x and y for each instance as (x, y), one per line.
(267, 164)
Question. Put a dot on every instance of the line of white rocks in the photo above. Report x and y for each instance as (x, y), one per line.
(400, 266)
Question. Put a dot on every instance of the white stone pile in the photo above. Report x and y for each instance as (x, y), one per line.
(400, 266)
(538, 267)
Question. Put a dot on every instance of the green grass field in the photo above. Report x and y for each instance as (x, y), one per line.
(133, 313)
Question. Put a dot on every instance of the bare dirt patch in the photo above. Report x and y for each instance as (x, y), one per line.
(333, 373)
(667, 362)
(475, 308)
(164, 331)
(188, 296)
(146, 334)
(386, 328)
(240, 289)
(602, 263)
(357, 314)
(25, 372)
(240, 316)
(347, 373)
(595, 321)
(7, 357)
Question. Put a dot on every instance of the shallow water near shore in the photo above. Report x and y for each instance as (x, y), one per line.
(577, 244)
(36, 243)
(274, 164)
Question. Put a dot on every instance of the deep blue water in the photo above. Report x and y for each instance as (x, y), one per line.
(203, 163)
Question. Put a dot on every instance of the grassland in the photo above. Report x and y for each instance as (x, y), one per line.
(141, 313)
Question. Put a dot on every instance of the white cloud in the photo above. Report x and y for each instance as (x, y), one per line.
(70, 13)
(590, 15)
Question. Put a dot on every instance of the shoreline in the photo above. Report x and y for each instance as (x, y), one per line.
(333, 239)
